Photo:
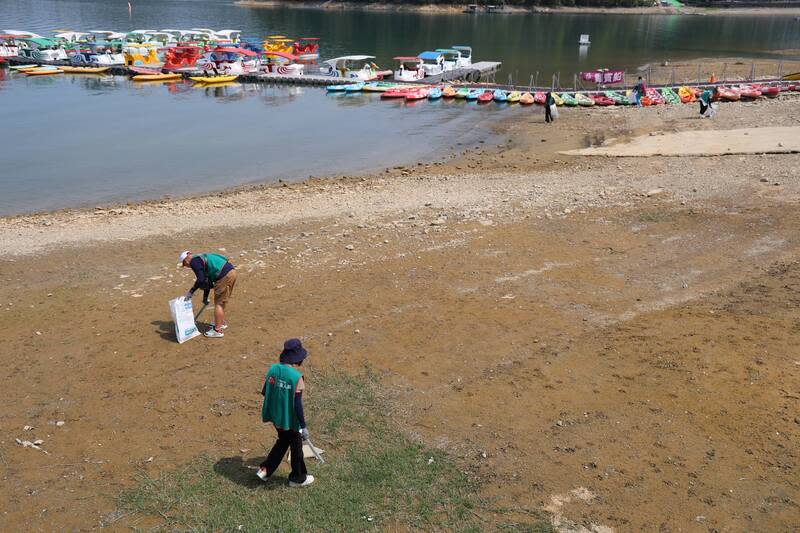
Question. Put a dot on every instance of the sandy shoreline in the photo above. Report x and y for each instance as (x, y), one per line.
(511, 10)
(635, 317)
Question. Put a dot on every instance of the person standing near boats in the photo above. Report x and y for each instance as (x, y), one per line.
(639, 91)
(212, 271)
(549, 101)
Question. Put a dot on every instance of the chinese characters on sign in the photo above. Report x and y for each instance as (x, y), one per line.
(604, 76)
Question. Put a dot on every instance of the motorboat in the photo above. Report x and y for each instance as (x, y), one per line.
(281, 63)
(409, 69)
(347, 67)
(182, 58)
(306, 48)
(432, 63)
(227, 60)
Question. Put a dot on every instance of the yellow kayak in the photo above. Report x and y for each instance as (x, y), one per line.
(792, 77)
(157, 77)
(43, 72)
(84, 70)
(23, 67)
(212, 79)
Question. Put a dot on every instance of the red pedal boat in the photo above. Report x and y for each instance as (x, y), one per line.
(486, 96)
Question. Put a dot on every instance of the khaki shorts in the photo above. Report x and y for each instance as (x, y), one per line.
(223, 288)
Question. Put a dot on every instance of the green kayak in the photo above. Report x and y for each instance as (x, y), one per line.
(670, 96)
(569, 100)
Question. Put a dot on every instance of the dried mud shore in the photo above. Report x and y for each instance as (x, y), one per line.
(610, 342)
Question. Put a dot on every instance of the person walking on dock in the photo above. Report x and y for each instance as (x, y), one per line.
(550, 100)
(212, 271)
(283, 406)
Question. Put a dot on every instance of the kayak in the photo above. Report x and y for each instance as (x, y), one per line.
(654, 96)
(795, 76)
(500, 96)
(539, 97)
(686, 95)
(434, 93)
(583, 100)
(84, 70)
(568, 100)
(354, 87)
(449, 92)
(749, 93)
(417, 94)
(486, 96)
(513, 97)
(670, 96)
(212, 79)
(728, 94)
(618, 98)
(378, 87)
(603, 100)
(22, 67)
(143, 70)
(338, 88)
(474, 94)
(397, 92)
(462, 92)
(157, 77)
(526, 99)
(43, 72)
(770, 91)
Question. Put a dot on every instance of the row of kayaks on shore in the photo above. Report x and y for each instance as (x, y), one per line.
(652, 96)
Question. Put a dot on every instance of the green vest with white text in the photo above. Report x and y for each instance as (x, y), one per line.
(279, 391)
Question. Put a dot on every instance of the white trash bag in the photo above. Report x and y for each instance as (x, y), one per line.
(553, 111)
(183, 318)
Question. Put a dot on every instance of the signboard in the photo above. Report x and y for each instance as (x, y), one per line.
(604, 76)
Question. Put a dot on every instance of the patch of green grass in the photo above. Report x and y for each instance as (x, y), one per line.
(374, 478)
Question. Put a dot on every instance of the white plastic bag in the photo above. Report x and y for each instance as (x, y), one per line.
(183, 317)
(553, 111)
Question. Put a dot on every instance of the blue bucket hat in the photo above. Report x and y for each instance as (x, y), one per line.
(293, 352)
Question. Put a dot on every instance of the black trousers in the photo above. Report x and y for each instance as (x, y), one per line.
(548, 117)
(287, 439)
(703, 107)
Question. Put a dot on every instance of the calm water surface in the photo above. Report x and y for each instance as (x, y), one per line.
(71, 141)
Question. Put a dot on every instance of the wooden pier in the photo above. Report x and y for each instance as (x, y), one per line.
(475, 73)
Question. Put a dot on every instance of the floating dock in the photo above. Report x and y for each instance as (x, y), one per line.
(472, 74)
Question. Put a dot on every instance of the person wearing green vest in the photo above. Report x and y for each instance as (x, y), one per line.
(212, 271)
(283, 406)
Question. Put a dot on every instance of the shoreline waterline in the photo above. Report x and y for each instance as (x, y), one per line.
(445, 9)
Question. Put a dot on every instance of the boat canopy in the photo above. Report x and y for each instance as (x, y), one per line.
(38, 41)
(334, 61)
(276, 37)
(308, 39)
(407, 58)
(466, 50)
(71, 35)
(229, 50)
(290, 57)
(430, 56)
(448, 51)
(18, 33)
(204, 30)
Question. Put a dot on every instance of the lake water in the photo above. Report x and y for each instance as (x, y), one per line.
(72, 141)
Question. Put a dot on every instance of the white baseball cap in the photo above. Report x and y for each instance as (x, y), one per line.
(182, 257)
